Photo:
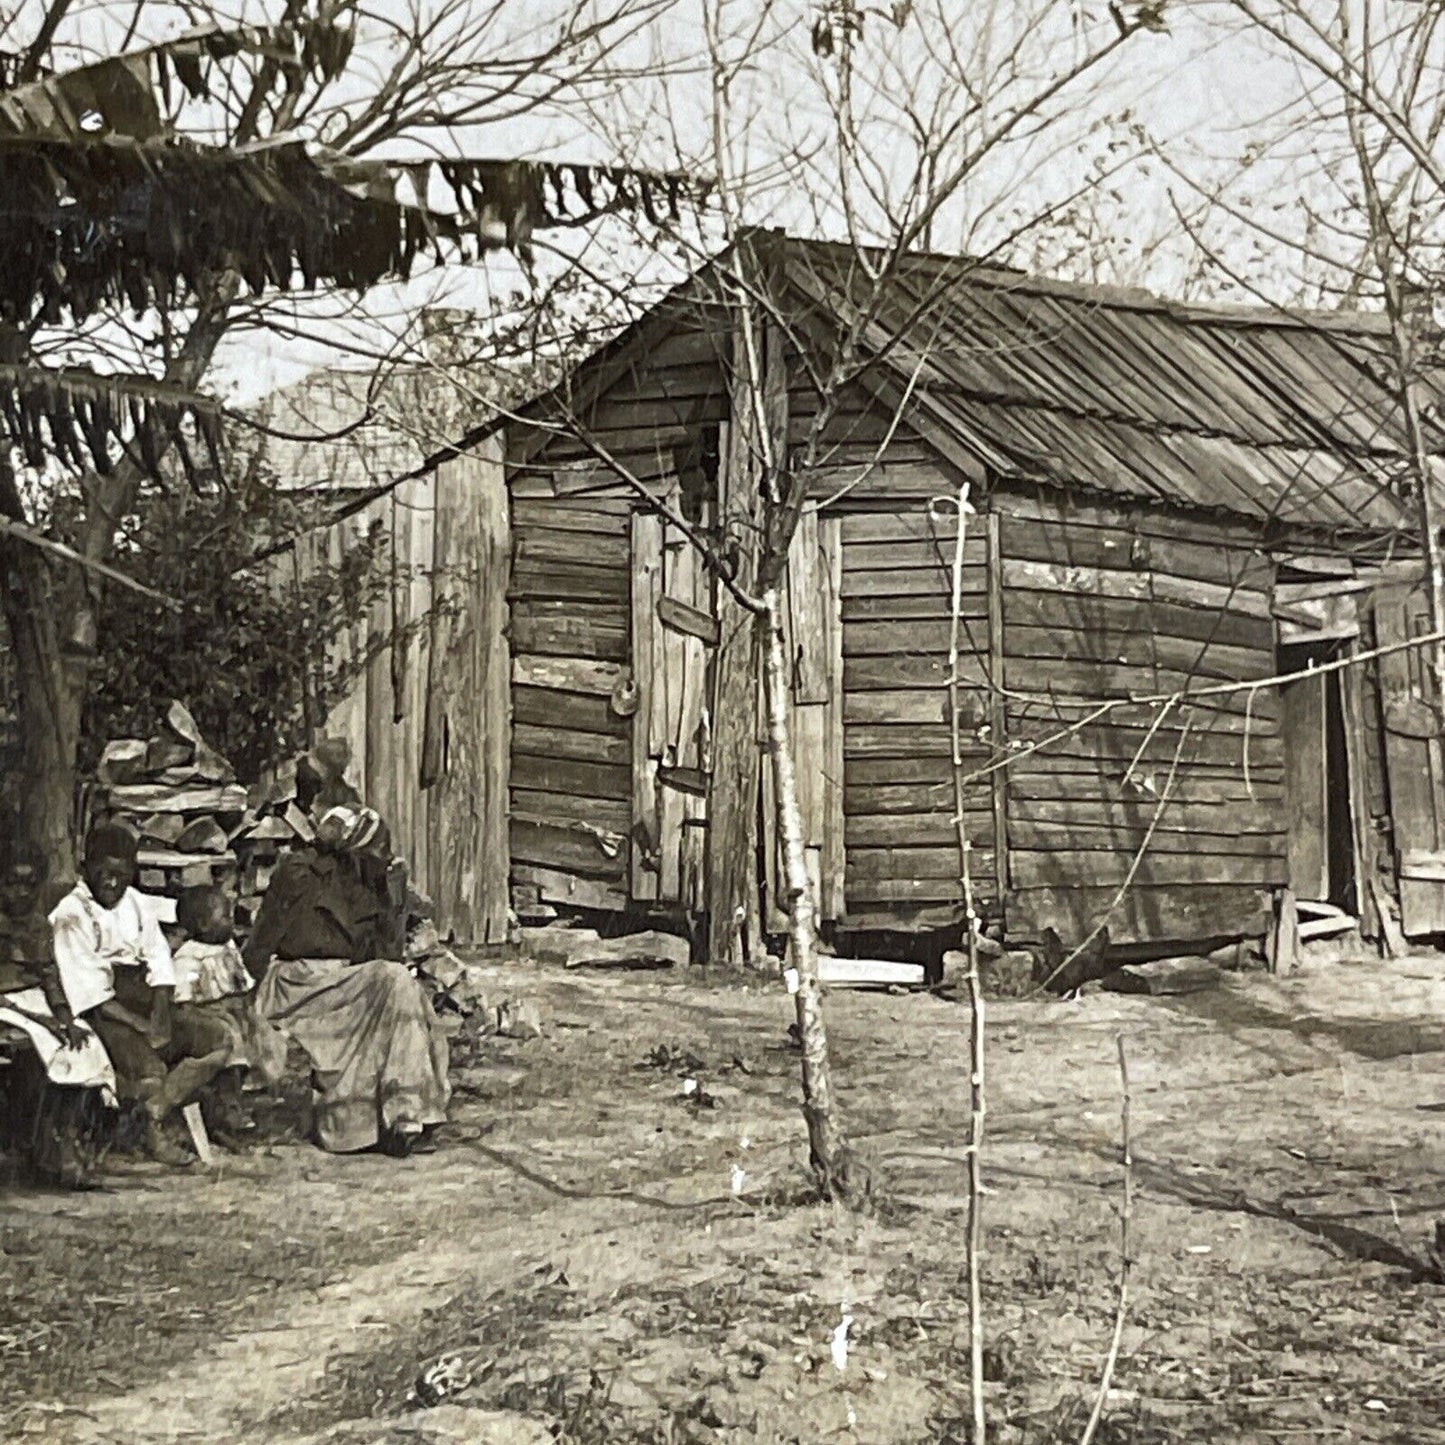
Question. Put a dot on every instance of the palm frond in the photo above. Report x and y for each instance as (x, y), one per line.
(79, 417)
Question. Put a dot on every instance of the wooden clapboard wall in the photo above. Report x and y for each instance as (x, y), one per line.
(902, 858)
(575, 834)
(427, 718)
(1105, 603)
(571, 775)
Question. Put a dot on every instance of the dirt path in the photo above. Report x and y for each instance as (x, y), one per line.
(578, 1243)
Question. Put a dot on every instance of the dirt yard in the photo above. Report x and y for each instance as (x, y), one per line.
(608, 1261)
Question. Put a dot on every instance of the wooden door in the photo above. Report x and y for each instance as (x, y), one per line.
(814, 637)
(1302, 723)
(674, 632)
(1414, 761)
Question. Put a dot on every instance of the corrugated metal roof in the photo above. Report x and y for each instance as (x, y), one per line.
(1272, 415)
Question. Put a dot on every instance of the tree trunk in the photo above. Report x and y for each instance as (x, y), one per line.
(50, 681)
(838, 1173)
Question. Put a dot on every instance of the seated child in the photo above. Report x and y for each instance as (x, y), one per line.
(53, 1108)
(212, 981)
(116, 970)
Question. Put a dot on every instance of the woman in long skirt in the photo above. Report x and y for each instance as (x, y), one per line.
(326, 947)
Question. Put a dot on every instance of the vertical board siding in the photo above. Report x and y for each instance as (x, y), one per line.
(896, 585)
(813, 645)
(467, 804)
(1161, 823)
(438, 552)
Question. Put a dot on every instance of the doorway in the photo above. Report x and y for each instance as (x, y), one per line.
(1316, 778)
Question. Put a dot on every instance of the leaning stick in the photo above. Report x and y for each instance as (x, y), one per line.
(1121, 1308)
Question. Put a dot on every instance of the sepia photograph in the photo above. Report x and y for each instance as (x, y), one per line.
(722, 722)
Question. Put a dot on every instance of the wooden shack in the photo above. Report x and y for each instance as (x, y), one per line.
(1171, 503)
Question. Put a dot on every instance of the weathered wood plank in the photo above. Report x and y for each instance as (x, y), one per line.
(913, 525)
(833, 858)
(630, 413)
(901, 799)
(891, 740)
(1306, 786)
(566, 674)
(905, 773)
(1047, 780)
(594, 516)
(1217, 713)
(574, 711)
(569, 775)
(909, 672)
(1208, 661)
(1021, 504)
(562, 742)
(1091, 681)
(688, 580)
(1053, 610)
(540, 580)
(732, 805)
(554, 544)
(933, 554)
(1084, 546)
(1128, 838)
(1363, 839)
(691, 621)
(649, 714)
(1179, 815)
(997, 781)
(559, 886)
(926, 705)
(596, 633)
(611, 815)
(919, 862)
(916, 638)
(1121, 746)
(919, 581)
(864, 893)
(921, 830)
(807, 597)
(1083, 869)
(1144, 913)
(930, 607)
(571, 849)
(1101, 582)
(902, 917)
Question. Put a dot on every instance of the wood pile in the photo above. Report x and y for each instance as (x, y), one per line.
(196, 824)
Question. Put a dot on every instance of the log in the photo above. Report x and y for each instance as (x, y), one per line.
(204, 835)
(155, 798)
(122, 761)
(863, 973)
(1165, 976)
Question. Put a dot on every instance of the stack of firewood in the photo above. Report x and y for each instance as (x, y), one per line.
(197, 825)
(274, 821)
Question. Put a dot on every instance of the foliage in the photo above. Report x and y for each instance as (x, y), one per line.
(258, 656)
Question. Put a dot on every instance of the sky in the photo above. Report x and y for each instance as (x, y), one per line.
(1195, 96)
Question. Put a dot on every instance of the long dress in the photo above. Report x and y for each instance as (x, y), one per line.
(378, 1056)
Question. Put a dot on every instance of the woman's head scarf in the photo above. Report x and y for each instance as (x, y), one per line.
(352, 830)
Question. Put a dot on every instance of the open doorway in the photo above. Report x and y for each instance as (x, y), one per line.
(1317, 778)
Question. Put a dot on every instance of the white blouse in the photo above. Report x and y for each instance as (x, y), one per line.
(91, 940)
